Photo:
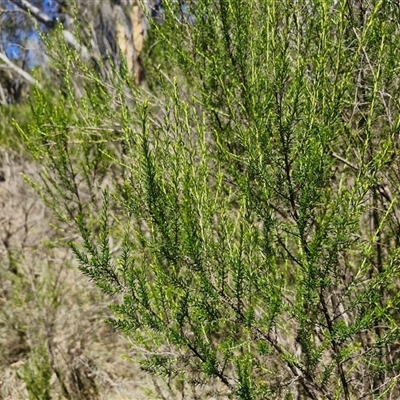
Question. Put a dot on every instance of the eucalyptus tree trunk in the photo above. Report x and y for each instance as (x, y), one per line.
(114, 31)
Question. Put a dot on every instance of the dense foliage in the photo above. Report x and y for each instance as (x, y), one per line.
(242, 210)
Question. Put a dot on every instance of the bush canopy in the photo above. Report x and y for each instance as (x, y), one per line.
(242, 208)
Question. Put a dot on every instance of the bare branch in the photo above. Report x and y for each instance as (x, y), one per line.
(3, 101)
(344, 161)
(29, 78)
(50, 23)
(35, 11)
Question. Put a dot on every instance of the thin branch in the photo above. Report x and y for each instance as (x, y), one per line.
(3, 99)
(35, 12)
(29, 78)
(50, 22)
(344, 161)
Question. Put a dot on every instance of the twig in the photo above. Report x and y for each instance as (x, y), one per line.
(50, 23)
(29, 78)
(344, 161)
(35, 12)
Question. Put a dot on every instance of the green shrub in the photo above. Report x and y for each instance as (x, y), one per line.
(243, 213)
(36, 375)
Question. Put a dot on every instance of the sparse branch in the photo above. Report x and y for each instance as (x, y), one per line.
(50, 23)
(25, 75)
(35, 12)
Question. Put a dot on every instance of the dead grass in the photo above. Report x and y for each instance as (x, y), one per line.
(51, 317)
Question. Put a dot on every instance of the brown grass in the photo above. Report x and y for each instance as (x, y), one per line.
(51, 317)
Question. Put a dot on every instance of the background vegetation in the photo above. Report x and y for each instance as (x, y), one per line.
(239, 209)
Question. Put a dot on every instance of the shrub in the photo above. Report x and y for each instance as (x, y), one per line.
(242, 211)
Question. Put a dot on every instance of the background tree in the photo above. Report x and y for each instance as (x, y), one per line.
(106, 33)
(14, 43)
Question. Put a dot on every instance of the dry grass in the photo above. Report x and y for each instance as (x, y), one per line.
(51, 317)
